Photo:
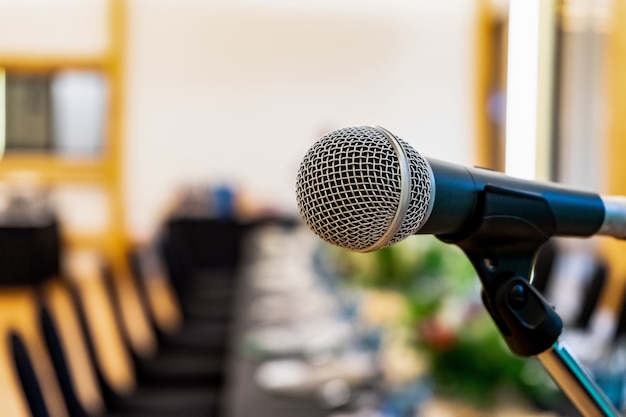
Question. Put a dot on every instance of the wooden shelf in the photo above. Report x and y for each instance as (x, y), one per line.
(54, 169)
(48, 63)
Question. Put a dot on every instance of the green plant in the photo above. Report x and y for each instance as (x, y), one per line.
(466, 354)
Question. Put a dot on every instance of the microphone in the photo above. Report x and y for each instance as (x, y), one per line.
(363, 188)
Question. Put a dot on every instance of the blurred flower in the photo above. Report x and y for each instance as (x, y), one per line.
(436, 335)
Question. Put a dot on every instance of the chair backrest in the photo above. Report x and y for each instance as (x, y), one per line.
(573, 280)
(66, 342)
(60, 363)
(27, 377)
(97, 320)
(159, 298)
(593, 293)
(133, 317)
(18, 316)
(620, 330)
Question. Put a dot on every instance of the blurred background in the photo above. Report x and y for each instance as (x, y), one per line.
(152, 258)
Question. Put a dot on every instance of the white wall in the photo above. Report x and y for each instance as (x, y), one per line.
(239, 90)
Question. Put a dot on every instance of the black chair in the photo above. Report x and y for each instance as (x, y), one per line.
(173, 365)
(209, 331)
(28, 379)
(593, 292)
(592, 288)
(30, 258)
(142, 401)
(202, 257)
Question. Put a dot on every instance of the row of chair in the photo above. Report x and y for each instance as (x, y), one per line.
(83, 339)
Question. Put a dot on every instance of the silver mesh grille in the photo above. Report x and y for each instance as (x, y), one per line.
(348, 188)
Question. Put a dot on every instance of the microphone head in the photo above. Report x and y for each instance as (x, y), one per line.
(362, 188)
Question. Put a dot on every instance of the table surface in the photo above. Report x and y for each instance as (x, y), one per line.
(243, 397)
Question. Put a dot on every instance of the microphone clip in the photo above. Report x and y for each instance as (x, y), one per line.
(502, 243)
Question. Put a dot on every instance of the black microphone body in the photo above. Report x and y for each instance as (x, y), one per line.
(459, 193)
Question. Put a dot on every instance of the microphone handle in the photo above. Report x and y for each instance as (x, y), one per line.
(459, 193)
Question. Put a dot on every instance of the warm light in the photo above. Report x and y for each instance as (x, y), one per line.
(3, 110)
(522, 73)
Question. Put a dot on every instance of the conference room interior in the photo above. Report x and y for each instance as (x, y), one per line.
(153, 259)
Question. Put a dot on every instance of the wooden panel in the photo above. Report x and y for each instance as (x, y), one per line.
(613, 249)
(482, 82)
(490, 40)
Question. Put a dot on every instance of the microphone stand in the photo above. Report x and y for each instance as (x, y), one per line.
(502, 242)
(575, 382)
